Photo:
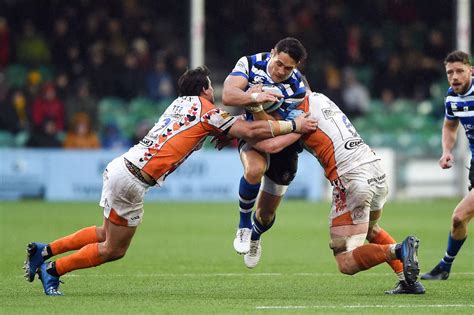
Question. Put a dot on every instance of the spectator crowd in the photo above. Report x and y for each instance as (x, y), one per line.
(65, 64)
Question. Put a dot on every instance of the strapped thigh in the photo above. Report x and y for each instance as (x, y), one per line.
(273, 188)
(344, 244)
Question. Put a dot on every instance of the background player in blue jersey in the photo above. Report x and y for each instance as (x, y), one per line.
(459, 106)
(243, 87)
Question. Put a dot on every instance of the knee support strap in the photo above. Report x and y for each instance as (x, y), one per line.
(346, 243)
(273, 188)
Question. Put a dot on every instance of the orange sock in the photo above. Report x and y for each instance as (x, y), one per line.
(74, 241)
(86, 257)
(369, 255)
(383, 238)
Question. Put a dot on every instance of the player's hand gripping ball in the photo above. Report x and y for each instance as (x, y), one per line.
(272, 106)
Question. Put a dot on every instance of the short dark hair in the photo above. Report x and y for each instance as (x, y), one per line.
(458, 56)
(292, 47)
(193, 81)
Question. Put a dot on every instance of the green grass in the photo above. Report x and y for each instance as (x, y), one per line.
(181, 261)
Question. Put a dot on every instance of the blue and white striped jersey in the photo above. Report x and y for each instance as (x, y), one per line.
(461, 107)
(255, 69)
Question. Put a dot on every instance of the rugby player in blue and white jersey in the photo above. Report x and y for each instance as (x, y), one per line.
(459, 108)
(245, 86)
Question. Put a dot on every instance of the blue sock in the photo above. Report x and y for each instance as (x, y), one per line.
(258, 229)
(247, 196)
(453, 248)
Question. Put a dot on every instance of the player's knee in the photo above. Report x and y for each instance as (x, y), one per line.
(100, 233)
(253, 173)
(374, 229)
(344, 263)
(457, 221)
(114, 253)
(347, 270)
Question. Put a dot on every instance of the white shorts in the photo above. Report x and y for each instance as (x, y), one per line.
(356, 193)
(122, 194)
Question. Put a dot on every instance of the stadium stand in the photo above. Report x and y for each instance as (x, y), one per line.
(395, 50)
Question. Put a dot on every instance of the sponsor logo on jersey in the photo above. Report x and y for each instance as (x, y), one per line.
(353, 144)
(258, 79)
(225, 115)
(146, 142)
(328, 113)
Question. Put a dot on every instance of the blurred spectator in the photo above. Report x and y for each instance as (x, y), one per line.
(45, 136)
(435, 46)
(113, 138)
(33, 86)
(141, 130)
(47, 106)
(391, 78)
(142, 52)
(378, 51)
(82, 101)
(4, 43)
(355, 96)
(333, 88)
(116, 45)
(130, 81)
(387, 98)
(4, 87)
(355, 46)
(93, 31)
(32, 49)
(334, 21)
(430, 67)
(60, 42)
(180, 65)
(80, 134)
(111, 45)
(62, 83)
(73, 65)
(14, 115)
(100, 73)
(159, 82)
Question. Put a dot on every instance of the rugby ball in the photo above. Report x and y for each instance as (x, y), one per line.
(272, 106)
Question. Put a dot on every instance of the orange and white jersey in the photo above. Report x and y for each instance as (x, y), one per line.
(180, 131)
(336, 143)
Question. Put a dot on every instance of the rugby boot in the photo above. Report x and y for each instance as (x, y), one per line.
(404, 287)
(437, 273)
(408, 256)
(50, 282)
(252, 258)
(34, 259)
(242, 240)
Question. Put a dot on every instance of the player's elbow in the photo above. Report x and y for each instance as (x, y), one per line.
(226, 97)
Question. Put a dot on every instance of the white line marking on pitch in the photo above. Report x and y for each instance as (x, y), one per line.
(243, 274)
(240, 274)
(284, 307)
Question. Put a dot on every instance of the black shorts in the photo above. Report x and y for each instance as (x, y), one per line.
(284, 164)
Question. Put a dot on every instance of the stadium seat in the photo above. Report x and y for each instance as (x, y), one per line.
(21, 138)
(16, 75)
(365, 75)
(110, 108)
(7, 139)
(47, 73)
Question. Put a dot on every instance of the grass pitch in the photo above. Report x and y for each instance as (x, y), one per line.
(181, 261)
